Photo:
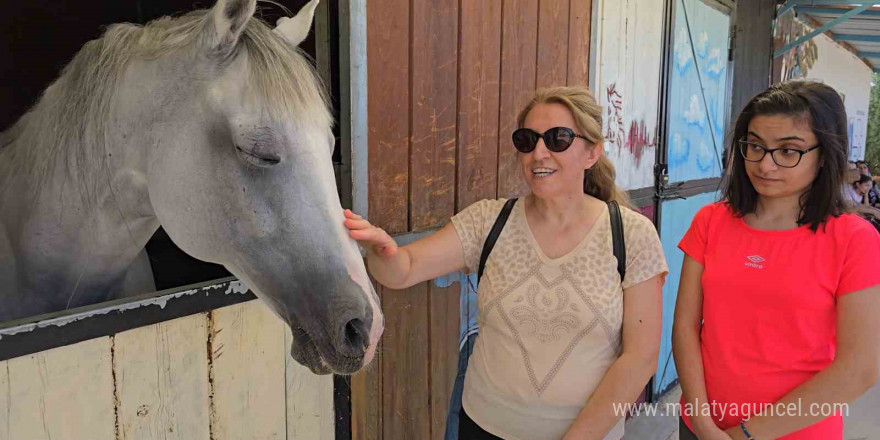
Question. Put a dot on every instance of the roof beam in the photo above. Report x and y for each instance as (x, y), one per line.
(859, 38)
(792, 3)
(812, 22)
(835, 11)
(825, 27)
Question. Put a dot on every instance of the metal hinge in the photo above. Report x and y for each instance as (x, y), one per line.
(664, 190)
(731, 45)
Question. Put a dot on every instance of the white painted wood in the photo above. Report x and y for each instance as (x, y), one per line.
(629, 52)
(248, 371)
(5, 403)
(162, 380)
(63, 393)
(310, 413)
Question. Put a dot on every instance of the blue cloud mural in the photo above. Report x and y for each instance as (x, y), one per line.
(698, 96)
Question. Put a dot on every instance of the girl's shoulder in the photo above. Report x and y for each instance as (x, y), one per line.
(849, 226)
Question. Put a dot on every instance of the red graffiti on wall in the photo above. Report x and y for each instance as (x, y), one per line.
(616, 131)
(639, 139)
(636, 139)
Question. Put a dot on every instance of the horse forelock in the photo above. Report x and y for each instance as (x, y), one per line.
(66, 128)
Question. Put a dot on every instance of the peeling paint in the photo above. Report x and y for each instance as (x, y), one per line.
(232, 287)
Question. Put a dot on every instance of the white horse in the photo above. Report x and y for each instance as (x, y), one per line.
(214, 126)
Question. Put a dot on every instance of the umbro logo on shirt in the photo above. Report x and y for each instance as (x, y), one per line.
(755, 261)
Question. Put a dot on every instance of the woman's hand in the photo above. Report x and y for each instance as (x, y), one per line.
(372, 238)
(399, 268)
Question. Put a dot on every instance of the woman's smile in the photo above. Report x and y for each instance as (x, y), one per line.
(543, 172)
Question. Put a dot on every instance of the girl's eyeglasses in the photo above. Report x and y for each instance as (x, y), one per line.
(783, 157)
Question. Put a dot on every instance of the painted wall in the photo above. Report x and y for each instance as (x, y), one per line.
(677, 217)
(698, 99)
(627, 85)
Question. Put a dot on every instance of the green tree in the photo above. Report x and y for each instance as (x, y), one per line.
(872, 142)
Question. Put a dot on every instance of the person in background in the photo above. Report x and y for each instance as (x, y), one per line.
(874, 191)
(848, 187)
(776, 306)
(562, 337)
(861, 189)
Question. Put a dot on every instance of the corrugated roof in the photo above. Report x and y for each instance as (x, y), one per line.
(860, 33)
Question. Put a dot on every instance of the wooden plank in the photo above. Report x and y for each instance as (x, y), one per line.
(579, 42)
(434, 69)
(405, 367)
(5, 400)
(309, 401)
(519, 40)
(478, 97)
(388, 113)
(247, 372)
(444, 319)
(366, 395)
(553, 21)
(66, 392)
(161, 374)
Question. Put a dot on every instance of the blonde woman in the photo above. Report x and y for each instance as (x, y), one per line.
(562, 337)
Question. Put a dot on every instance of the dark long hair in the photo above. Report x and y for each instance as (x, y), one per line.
(819, 106)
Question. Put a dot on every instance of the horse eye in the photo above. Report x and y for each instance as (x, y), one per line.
(259, 160)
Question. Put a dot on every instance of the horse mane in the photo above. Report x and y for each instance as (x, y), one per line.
(67, 126)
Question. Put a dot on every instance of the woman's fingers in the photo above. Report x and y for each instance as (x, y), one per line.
(355, 224)
(369, 235)
(349, 214)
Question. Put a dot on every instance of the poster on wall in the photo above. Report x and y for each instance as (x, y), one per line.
(628, 85)
(698, 98)
(857, 135)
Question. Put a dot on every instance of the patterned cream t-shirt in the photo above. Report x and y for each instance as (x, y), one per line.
(549, 328)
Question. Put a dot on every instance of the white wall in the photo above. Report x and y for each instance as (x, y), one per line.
(841, 69)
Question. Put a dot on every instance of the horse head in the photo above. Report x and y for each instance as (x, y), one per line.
(239, 173)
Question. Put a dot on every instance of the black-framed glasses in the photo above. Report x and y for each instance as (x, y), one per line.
(557, 139)
(783, 157)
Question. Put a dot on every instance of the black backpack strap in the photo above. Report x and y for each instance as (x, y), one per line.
(618, 242)
(493, 236)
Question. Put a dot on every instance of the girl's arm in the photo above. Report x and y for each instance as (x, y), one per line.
(627, 376)
(854, 371)
(686, 327)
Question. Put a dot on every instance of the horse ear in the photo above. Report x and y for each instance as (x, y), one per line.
(296, 29)
(228, 19)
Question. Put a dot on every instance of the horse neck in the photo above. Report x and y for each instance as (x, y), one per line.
(87, 240)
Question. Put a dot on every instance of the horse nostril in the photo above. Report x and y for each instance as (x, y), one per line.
(355, 338)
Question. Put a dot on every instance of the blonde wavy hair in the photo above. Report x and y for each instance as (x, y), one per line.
(587, 113)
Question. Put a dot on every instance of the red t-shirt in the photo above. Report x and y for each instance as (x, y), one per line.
(769, 307)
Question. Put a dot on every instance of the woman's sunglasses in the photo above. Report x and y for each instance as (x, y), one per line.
(557, 139)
